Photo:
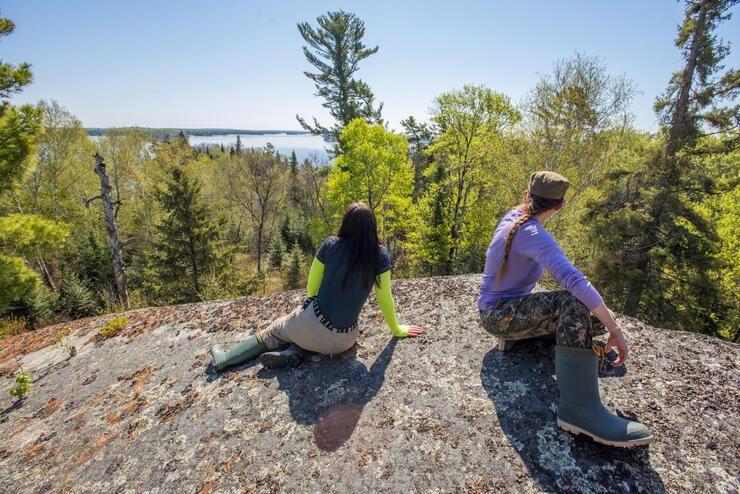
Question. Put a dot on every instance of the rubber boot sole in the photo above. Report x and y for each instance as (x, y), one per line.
(620, 444)
(277, 361)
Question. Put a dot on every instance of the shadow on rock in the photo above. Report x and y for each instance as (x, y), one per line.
(521, 385)
(331, 394)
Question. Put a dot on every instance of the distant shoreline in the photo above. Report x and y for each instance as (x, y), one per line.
(173, 131)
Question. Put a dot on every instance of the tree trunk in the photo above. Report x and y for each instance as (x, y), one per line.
(116, 246)
(259, 248)
(678, 121)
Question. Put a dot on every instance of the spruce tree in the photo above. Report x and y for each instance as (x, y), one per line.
(294, 195)
(238, 146)
(188, 239)
(277, 251)
(293, 267)
(655, 256)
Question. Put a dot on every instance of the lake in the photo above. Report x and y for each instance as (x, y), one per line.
(305, 145)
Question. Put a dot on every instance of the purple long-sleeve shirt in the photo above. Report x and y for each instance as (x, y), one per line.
(532, 251)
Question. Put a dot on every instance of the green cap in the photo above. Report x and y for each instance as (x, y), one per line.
(549, 185)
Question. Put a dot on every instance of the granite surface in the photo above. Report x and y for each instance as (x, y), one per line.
(142, 411)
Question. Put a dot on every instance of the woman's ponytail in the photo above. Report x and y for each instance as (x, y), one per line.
(533, 205)
(509, 239)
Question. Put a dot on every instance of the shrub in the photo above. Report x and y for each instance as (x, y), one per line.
(77, 299)
(12, 325)
(61, 341)
(23, 385)
(44, 304)
(112, 327)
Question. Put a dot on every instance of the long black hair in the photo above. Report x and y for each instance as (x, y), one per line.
(360, 230)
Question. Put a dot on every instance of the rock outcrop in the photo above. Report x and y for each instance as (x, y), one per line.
(142, 411)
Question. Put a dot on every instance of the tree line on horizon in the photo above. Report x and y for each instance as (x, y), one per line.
(652, 220)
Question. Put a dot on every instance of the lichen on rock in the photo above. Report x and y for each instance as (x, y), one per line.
(142, 411)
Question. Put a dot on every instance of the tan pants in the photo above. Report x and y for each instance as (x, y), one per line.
(303, 328)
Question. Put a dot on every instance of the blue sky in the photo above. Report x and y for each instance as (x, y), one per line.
(239, 64)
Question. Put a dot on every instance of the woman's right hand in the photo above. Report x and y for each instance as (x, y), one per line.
(616, 340)
(408, 330)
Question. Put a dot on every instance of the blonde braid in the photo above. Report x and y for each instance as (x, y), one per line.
(509, 239)
(533, 205)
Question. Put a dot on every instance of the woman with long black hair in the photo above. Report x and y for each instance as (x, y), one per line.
(345, 269)
(520, 251)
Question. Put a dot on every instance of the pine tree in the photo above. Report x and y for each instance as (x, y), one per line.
(294, 195)
(293, 267)
(655, 255)
(188, 242)
(23, 237)
(335, 49)
(277, 251)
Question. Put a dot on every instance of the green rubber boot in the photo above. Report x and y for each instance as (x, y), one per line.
(240, 353)
(290, 357)
(580, 410)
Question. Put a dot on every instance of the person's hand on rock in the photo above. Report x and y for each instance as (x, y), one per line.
(409, 330)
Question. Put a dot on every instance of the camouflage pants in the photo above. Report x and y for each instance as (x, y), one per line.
(540, 314)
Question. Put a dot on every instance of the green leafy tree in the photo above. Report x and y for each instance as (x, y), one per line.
(253, 183)
(187, 247)
(418, 134)
(374, 168)
(430, 237)
(660, 259)
(335, 49)
(471, 123)
(576, 123)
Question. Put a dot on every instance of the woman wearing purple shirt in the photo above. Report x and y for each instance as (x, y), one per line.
(519, 253)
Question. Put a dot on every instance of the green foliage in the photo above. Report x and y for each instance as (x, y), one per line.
(12, 78)
(17, 128)
(374, 168)
(89, 257)
(16, 279)
(76, 299)
(294, 228)
(277, 251)
(295, 198)
(29, 235)
(61, 341)
(22, 237)
(294, 268)
(253, 186)
(187, 245)
(418, 134)
(430, 237)
(657, 256)
(472, 122)
(228, 283)
(12, 325)
(44, 304)
(335, 49)
(112, 327)
(23, 385)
